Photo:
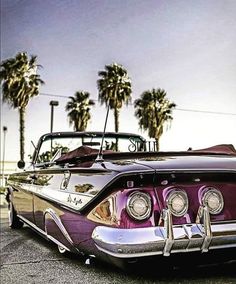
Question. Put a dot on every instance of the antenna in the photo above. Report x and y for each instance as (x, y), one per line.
(100, 156)
(33, 145)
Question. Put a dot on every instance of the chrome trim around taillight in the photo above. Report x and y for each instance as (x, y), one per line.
(213, 199)
(139, 201)
(177, 198)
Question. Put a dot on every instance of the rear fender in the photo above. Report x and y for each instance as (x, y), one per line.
(55, 230)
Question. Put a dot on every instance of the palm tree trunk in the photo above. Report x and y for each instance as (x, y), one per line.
(22, 132)
(116, 116)
(157, 145)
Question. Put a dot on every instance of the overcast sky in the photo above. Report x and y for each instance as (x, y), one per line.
(186, 47)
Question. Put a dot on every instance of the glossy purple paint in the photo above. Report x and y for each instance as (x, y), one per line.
(113, 180)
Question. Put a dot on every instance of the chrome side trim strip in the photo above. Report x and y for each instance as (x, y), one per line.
(59, 224)
(74, 201)
(175, 170)
(44, 234)
(32, 225)
(57, 242)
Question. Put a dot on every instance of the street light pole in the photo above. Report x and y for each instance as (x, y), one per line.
(3, 154)
(52, 104)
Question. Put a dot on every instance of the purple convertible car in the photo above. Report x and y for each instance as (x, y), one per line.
(113, 197)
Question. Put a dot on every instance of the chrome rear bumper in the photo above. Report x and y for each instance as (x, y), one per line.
(167, 239)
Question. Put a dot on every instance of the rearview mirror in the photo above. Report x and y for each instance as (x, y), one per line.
(21, 164)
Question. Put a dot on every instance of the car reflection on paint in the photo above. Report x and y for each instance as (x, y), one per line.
(122, 202)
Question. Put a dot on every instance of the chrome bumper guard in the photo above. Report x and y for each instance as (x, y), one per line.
(165, 240)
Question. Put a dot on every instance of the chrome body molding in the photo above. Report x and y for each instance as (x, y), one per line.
(44, 233)
(58, 243)
(72, 200)
(167, 239)
(33, 226)
(176, 170)
(59, 224)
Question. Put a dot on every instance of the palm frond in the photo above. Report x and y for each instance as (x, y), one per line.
(114, 88)
(79, 111)
(153, 110)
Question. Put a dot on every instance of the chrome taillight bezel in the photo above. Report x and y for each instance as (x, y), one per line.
(208, 193)
(130, 205)
(180, 194)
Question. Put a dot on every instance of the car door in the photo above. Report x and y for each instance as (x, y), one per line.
(23, 195)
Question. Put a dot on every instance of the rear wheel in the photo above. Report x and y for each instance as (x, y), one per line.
(14, 221)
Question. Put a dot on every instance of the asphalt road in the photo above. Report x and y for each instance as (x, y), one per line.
(28, 258)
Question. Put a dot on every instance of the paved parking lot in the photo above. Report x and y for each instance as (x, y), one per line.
(28, 258)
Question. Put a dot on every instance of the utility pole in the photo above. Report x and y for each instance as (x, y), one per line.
(52, 104)
(3, 154)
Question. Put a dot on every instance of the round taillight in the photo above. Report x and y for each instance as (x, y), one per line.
(177, 202)
(139, 205)
(213, 199)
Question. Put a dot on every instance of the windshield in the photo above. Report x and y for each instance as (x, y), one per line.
(53, 147)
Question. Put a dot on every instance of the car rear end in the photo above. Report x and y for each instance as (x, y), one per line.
(167, 212)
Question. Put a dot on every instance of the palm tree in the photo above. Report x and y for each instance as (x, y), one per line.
(114, 87)
(20, 82)
(79, 110)
(153, 110)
